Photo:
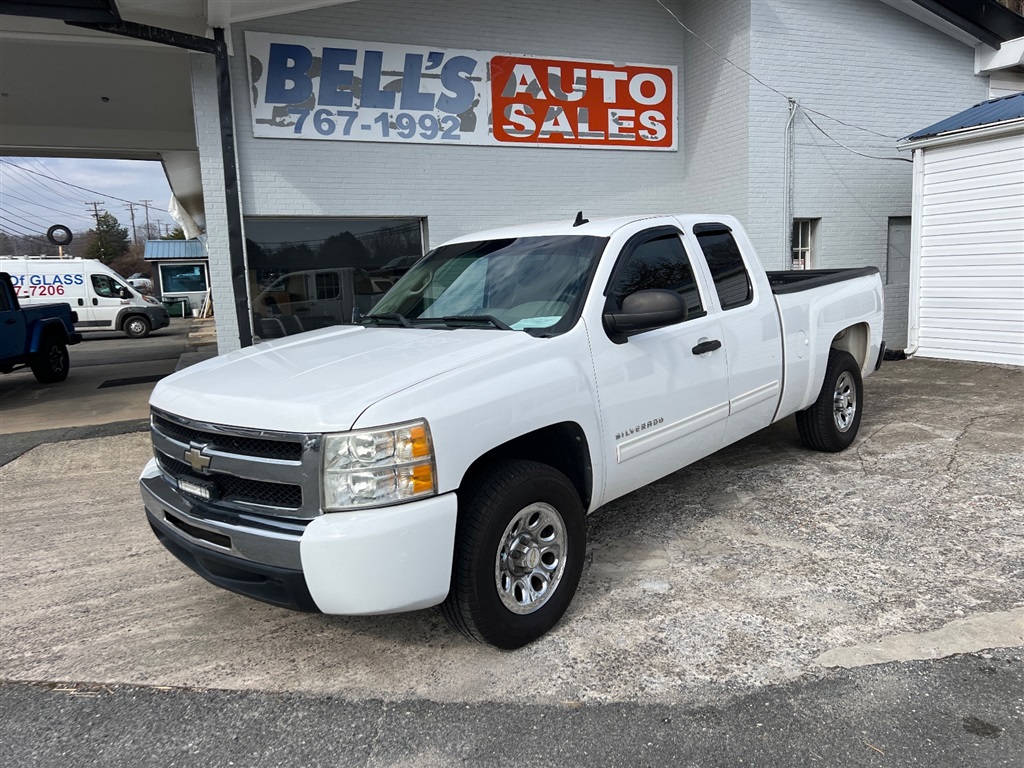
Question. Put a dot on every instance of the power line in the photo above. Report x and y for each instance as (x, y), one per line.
(26, 214)
(851, 149)
(45, 182)
(21, 233)
(47, 207)
(38, 185)
(761, 82)
(69, 184)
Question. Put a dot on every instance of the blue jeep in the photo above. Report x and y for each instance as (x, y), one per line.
(37, 337)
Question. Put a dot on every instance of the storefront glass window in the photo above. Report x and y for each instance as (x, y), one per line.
(311, 273)
(183, 278)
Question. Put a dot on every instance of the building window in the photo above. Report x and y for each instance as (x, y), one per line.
(805, 243)
(308, 273)
(183, 278)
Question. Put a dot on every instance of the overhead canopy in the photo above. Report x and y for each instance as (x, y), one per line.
(73, 92)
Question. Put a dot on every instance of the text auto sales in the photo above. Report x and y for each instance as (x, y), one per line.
(408, 93)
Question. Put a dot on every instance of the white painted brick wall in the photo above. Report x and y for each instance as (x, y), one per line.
(716, 109)
(464, 188)
(207, 117)
(870, 65)
(860, 61)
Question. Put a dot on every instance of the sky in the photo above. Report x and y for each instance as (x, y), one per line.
(36, 193)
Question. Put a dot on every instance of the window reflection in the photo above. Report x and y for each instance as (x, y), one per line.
(312, 273)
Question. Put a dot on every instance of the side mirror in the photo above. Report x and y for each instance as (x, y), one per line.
(643, 310)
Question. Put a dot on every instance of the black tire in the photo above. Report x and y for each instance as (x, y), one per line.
(50, 364)
(831, 424)
(136, 327)
(488, 577)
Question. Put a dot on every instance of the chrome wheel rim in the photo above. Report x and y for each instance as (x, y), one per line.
(844, 402)
(136, 326)
(531, 558)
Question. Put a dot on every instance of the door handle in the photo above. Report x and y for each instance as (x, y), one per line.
(95, 302)
(10, 321)
(707, 346)
(81, 302)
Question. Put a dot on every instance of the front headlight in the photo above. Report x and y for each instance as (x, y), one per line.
(374, 467)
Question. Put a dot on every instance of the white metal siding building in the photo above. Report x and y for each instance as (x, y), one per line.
(967, 241)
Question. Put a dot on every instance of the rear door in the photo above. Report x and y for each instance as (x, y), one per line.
(664, 401)
(752, 337)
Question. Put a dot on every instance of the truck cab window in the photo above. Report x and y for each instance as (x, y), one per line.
(732, 283)
(658, 263)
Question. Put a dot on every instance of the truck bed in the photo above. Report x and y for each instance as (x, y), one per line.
(794, 280)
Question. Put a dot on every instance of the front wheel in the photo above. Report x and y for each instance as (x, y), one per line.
(518, 554)
(831, 423)
(50, 364)
(136, 327)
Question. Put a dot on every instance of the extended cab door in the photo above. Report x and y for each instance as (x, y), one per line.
(663, 392)
(752, 337)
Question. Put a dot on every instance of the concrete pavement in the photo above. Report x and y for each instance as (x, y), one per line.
(762, 567)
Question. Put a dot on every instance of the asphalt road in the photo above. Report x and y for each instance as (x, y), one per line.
(106, 392)
(766, 606)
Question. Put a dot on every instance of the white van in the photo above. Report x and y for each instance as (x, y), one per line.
(102, 298)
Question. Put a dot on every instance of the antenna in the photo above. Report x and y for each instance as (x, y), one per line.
(580, 221)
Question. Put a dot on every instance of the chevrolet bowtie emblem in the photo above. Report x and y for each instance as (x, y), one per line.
(195, 456)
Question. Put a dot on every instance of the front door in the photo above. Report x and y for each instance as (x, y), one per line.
(106, 298)
(664, 401)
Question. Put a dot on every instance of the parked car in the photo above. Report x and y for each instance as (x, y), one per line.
(37, 337)
(448, 451)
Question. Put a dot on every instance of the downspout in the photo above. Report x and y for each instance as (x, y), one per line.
(218, 49)
(787, 196)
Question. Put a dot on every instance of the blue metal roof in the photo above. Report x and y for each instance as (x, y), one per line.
(175, 249)
(986, 113)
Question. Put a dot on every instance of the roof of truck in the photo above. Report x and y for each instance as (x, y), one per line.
(593, 228)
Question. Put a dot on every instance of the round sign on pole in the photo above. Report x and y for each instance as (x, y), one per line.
(60, 235)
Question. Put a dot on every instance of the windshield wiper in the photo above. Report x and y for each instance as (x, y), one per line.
(396, 317)
(475, 320)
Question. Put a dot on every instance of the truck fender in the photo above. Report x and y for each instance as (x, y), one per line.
(44, 327)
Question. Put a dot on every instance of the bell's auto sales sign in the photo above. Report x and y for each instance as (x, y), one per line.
(344, 90)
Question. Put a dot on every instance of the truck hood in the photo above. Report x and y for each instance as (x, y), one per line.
(321, 381)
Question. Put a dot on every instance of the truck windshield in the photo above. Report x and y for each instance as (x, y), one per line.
(532, 284)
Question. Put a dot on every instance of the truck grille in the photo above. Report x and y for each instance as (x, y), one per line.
(246, 446)
(271, 474)
(238, 488)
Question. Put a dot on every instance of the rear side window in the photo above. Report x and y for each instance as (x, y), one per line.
(732, 282)
(660, 262)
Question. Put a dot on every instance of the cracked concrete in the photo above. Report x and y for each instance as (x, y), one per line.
(763, 563)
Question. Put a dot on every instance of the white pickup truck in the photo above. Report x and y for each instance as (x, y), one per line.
(448, 449)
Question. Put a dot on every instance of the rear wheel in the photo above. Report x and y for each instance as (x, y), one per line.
(136, 326)
(518, 554)
(831, 423)
(50, 364)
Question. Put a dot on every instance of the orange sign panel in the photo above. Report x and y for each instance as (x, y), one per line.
(579, 103)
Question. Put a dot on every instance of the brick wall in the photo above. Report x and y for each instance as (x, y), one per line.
(207, 117)
(464, 188)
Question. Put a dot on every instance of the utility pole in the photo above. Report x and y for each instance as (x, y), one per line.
(135, 233)
(95, 211)
(148, 232)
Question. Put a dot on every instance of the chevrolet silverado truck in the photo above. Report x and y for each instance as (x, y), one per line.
(447, 449)
(37, 337)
